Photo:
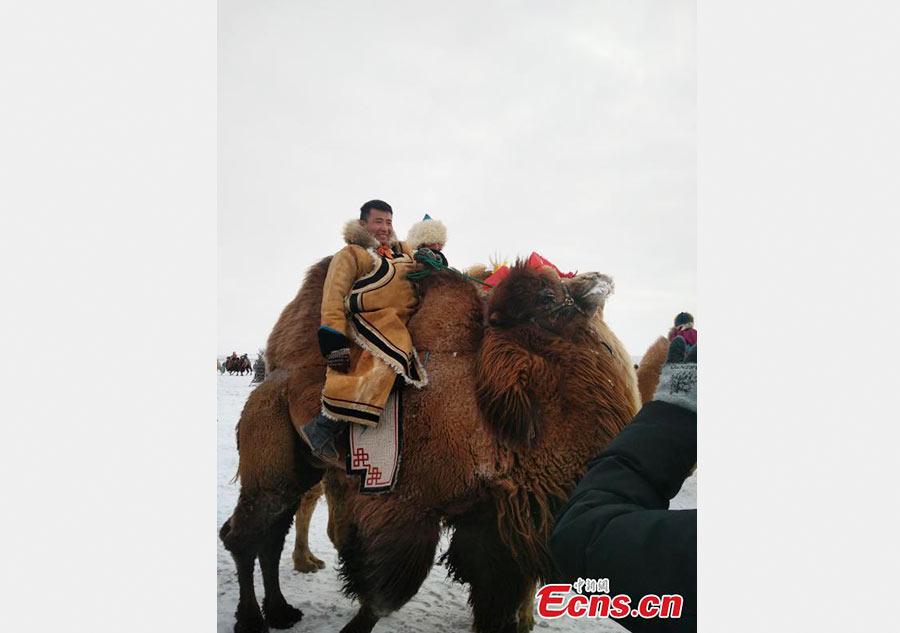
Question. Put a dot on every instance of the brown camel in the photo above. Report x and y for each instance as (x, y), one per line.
(647, 379)
(236, 365)
(492, 447)
(649, 368)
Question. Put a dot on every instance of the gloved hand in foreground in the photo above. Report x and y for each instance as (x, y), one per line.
(678, 378)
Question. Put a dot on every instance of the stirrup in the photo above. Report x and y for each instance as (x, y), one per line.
(302, 433)
(329, 454)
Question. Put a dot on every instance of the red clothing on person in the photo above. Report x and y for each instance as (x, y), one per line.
(385, 251)
(689, 335)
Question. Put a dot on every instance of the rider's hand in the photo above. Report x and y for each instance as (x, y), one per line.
(425, 253)
(339, 359)
(678, 378)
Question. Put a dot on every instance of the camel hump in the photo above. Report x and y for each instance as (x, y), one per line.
(293, 341)
(649, 368)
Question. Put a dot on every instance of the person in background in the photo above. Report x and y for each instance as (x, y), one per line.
(428, 237)
(684, 327)
(617, 525)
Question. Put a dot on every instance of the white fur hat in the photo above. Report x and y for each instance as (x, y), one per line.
(427, 231)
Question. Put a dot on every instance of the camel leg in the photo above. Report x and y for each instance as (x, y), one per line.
(303, 558)
(336, 486)
(248, 617)
(525, 614)
(257, 528)
(500, 594)
(273, 477)
(364, 620)
(384, 567)
(278, 613)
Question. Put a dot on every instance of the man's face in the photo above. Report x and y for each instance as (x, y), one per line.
(379, 224)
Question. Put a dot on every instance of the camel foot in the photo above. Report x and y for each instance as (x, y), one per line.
(280, 615)
(507, 627)
(307, 564)
(362, 622)
(249, 620)
(525, 624)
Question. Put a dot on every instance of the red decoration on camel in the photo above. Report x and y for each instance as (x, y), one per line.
(534, 261)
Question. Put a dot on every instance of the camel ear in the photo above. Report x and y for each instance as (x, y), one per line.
(504, 391)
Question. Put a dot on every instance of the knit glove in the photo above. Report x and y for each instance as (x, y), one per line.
(678, 378)
(424, 254)
(339, 359)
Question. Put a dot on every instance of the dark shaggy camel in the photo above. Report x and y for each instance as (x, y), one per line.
(492, 447)
(238, 365)
(246, 365)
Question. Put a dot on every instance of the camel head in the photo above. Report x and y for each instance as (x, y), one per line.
(590, 291)
(541, 328)
(540, 296)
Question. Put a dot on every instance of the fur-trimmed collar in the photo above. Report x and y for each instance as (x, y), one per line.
(356, 233)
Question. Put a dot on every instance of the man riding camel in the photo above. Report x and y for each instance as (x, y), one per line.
(367, 302)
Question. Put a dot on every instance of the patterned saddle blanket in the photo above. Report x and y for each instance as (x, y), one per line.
(375, 451)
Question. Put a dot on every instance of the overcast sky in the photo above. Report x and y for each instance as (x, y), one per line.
(566, 128)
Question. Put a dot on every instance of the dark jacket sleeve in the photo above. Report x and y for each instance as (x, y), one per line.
(617, 524)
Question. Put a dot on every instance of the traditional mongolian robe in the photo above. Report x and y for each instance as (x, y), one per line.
(367, 302)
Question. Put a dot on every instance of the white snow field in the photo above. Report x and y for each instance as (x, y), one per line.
(439, 606)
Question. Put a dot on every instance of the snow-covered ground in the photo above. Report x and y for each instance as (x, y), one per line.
(440, 606)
